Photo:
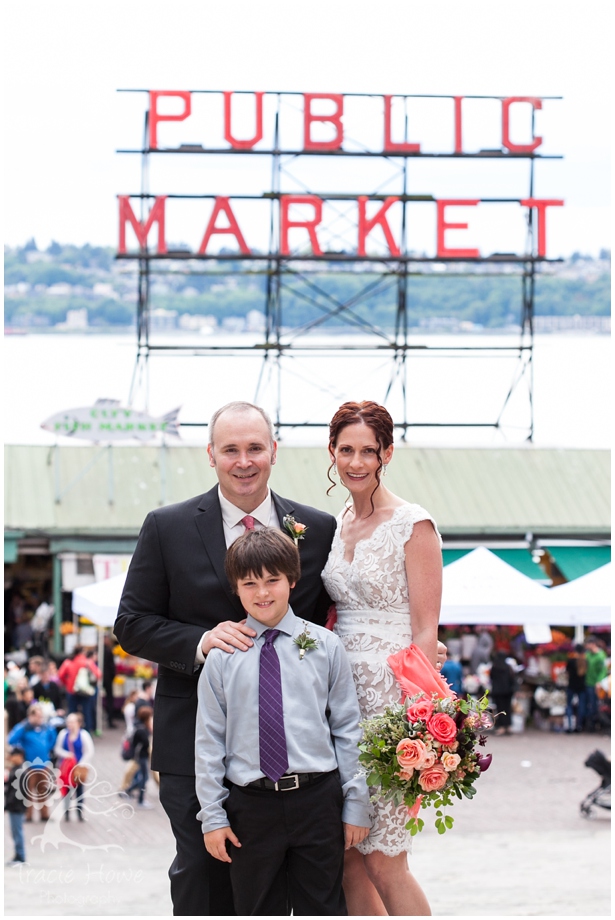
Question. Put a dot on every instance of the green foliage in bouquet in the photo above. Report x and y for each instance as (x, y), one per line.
(425, 752)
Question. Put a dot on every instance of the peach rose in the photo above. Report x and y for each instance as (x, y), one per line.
(420, 711)
(433, 778)
(300, 528)
(443, 728)
(429, 759)
(406, 774)
(450, 762)
(410, 753)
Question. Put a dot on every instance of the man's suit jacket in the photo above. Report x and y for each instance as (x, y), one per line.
(176, 588)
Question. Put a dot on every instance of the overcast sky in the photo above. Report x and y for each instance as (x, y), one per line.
(64, 120)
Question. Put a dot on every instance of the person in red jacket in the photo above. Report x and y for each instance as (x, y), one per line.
(79, 676)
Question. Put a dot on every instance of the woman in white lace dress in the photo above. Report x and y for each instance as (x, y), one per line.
(385, 575)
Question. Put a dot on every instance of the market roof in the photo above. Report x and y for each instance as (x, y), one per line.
(107, 491)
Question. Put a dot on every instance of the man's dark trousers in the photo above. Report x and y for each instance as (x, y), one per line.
(292, 850)
(200, 884)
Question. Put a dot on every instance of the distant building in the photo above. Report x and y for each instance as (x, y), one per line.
(203, 324)
(255, 321)
(77, 319)
(576, 323)
(103, 289)
(163, 320)
(61, 289)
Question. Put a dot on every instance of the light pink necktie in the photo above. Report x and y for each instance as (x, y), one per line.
(248, 522)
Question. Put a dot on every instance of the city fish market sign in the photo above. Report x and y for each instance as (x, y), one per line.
(107, 420)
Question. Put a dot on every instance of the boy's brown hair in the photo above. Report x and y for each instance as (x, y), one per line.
(257, 550)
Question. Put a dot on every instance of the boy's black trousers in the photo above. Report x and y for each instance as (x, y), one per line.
(292, 850)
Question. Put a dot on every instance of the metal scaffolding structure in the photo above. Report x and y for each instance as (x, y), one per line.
(300, 274)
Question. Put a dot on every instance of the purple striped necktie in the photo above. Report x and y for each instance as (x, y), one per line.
(272, 738)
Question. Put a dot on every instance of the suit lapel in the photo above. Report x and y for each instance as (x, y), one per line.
(208, 520)
(282, 507)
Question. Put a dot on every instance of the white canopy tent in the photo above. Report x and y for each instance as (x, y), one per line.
(99, 602)
(586, 601)
(482, 588)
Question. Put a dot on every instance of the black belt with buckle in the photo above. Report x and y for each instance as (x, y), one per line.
(287, 783)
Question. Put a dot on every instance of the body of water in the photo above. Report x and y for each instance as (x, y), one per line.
(45, 374)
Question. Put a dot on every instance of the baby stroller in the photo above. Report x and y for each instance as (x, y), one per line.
(600, 797)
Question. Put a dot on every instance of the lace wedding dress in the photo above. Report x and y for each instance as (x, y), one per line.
(373, 622)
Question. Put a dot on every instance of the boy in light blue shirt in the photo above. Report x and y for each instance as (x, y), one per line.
(277, 771)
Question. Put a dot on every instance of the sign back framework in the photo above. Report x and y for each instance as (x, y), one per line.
(312, 234)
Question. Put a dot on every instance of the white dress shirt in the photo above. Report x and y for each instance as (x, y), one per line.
(264, 516)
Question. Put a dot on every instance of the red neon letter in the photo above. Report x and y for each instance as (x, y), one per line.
(506, 141)
(247, 144)
(443, 226)
(541, 205)
(389, 145)
(458, 141)
(222, 203)
(310, 225)
(156, 215)
(154, 117)
(366, 226)
(335, 119)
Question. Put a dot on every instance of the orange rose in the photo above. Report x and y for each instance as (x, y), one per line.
(433, 778)
(406, 774)
(410, 753)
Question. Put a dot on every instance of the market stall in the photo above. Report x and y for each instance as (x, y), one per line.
(98, 603)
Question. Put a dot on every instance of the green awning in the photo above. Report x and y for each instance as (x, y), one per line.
(11, 547)
(574, 561)
(520, 559)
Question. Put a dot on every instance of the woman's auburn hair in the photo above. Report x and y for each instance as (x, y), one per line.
(367, 413)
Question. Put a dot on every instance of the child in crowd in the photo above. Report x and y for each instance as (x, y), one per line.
(141, 745)
(15, 805)
(277, 772)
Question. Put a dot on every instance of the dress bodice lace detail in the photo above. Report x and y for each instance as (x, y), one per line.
(373, 622)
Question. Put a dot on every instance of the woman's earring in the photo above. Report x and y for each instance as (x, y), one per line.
(384, 469)
(334, 469)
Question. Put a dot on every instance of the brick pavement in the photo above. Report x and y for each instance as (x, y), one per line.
(519, 849)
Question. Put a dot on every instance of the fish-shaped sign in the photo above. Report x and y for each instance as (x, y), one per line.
(107, 420)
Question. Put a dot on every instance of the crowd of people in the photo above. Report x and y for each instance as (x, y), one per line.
(50, 718)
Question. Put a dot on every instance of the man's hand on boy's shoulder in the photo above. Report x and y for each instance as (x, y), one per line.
(228, 636)
(215, 843)
(353, 835)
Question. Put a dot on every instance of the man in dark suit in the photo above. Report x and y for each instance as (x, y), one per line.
(177, 605)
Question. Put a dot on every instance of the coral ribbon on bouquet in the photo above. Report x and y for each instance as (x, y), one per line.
(415, 674)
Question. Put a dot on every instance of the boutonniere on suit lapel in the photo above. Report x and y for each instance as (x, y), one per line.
(294, 528)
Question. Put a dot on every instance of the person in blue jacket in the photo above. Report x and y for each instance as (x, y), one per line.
(37, 740)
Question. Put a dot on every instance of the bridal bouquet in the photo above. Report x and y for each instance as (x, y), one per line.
(424, 752)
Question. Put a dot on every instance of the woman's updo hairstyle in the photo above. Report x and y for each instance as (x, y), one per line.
(368, 413)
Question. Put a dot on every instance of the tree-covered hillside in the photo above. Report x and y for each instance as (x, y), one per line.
(41, 287)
